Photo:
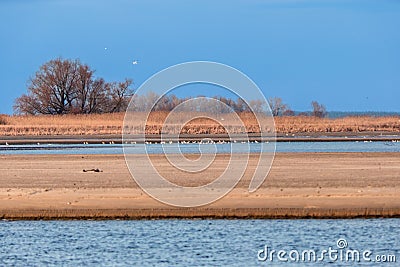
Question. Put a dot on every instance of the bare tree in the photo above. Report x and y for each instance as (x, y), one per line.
(68, 86)
(96, 101)
(319, 110)
(257, 105)
(278, 108)
(167, 103)
(118, 95)
(28, 104)
(51, 90)
(83, 88)
(241, 105)
(288, 112)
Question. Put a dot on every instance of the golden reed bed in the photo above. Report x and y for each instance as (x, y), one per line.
(111, 124)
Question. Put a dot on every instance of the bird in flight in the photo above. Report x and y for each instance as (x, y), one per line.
(135, 62)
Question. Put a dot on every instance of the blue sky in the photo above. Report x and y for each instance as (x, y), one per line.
(345, 54)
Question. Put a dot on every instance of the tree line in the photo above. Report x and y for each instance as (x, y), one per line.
(70, 87)
(199, 104)
(279, 108)
(224, 105)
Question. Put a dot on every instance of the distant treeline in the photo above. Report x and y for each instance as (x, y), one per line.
(222, 105)
(195, 104)
(70, 87)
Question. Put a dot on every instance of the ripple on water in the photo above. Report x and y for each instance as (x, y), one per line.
(184, 242)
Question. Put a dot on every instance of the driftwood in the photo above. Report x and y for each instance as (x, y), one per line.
(92, 170)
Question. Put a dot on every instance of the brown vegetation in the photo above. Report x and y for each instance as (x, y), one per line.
(62, 125)
(99, 124)
(301, 124)
(3, 119)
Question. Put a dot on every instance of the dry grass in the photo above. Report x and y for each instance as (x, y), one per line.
(3, 119)
(62, 125)
(112, 124)
(347, 124)
(201, 124)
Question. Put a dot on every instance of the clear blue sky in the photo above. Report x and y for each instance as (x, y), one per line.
(345, 54)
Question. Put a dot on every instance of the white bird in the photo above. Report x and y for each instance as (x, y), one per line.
(135, 62)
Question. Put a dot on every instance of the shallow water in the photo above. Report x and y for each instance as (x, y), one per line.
(377, 146)
(190, 242)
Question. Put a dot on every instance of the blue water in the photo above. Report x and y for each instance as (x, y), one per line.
(190, 242)
(193, 242)
(377, 146)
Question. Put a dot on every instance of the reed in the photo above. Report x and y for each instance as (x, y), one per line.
(301, 124)
(110, 124)
(3, 119)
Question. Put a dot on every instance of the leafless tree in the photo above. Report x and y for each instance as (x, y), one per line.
(68, 86)
(277, 106)
(257, 106)
(96, 101)
(118, 95)
(83, 88)
(319, 110)
(51, 90)
(241, 105)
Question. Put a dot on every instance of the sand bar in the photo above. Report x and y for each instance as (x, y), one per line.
(300, 185)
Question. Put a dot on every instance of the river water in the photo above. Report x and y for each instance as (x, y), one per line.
(355, 146)
(199, 242)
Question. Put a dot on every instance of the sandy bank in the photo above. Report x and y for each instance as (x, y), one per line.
(301, 185)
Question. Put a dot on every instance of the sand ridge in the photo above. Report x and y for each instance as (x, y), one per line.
(300, 185)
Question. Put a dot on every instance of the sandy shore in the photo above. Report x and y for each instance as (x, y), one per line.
(300, 185)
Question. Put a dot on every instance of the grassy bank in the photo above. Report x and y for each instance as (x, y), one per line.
(111, 124)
